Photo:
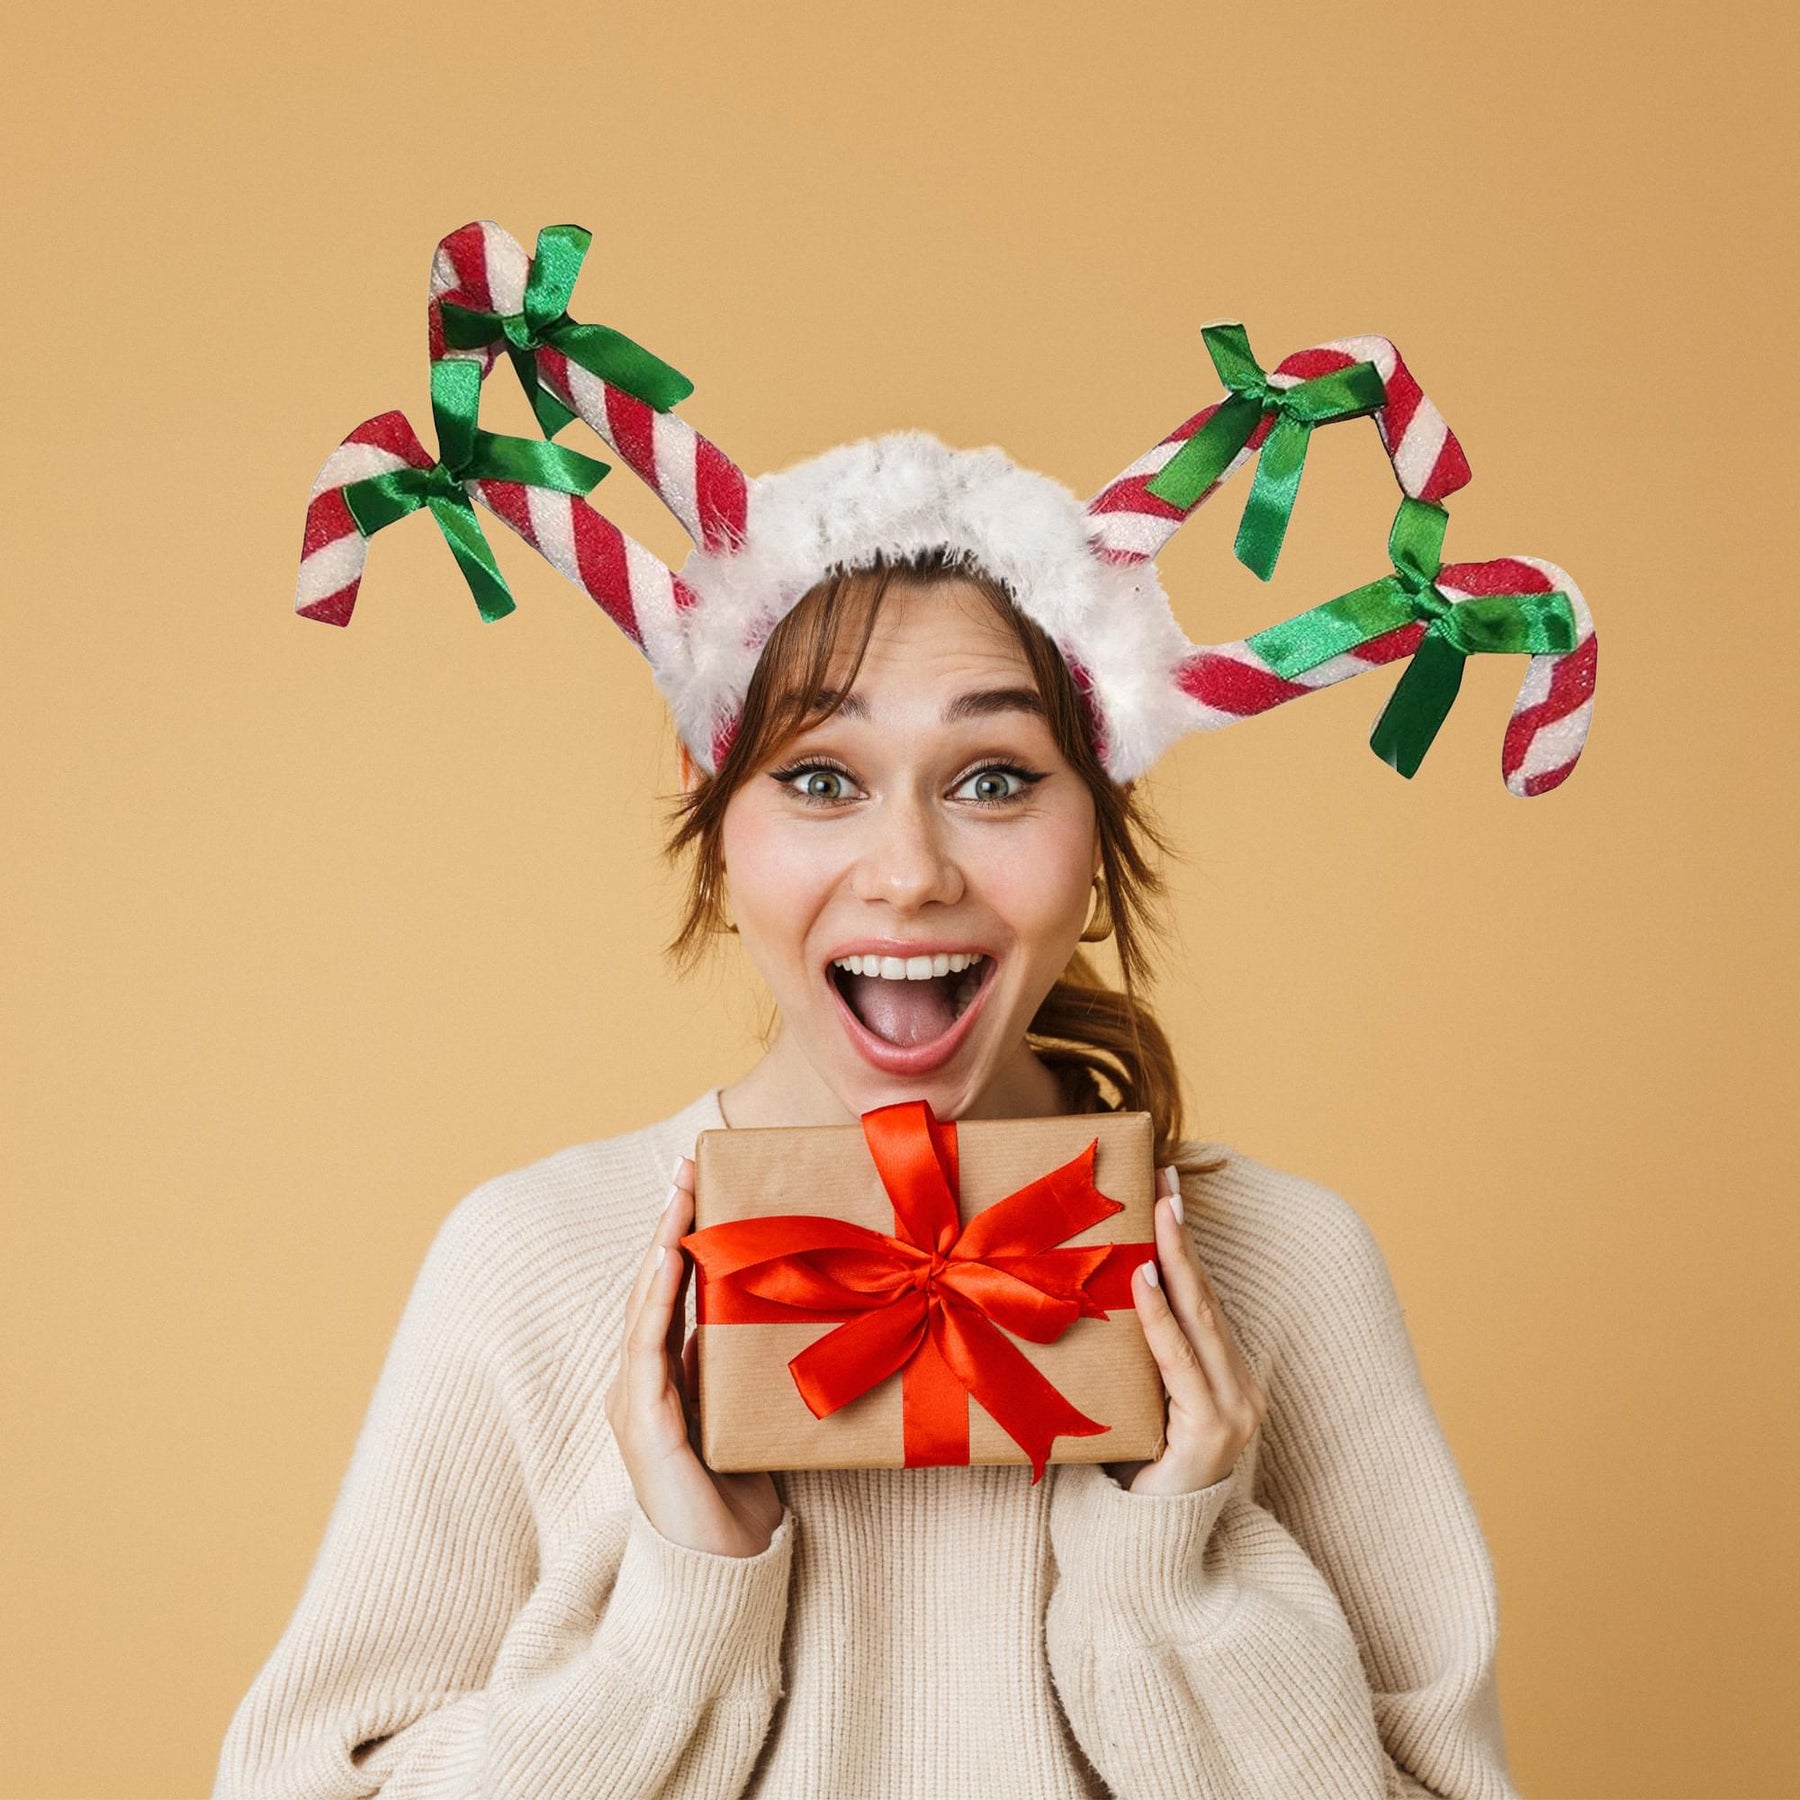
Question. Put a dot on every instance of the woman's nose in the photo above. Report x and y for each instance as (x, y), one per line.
(906, 860)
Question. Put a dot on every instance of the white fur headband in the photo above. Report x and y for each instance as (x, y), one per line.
(1082, 571)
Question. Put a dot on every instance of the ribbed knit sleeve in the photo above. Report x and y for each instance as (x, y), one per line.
(433, 1654)
(1323, 1624)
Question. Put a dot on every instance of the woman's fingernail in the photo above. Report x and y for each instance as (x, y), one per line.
(1175, 1192)
(661, 1251)
(675, 1172)
(669, 1204)
(1150, 1274)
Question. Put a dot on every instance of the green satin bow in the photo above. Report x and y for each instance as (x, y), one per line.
(1346, 393)
(544, 322)
(1532, 624)
(468, 454)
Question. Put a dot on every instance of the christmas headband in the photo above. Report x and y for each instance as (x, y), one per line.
(1084, 572)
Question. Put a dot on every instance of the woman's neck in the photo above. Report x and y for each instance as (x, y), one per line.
(783, 1088)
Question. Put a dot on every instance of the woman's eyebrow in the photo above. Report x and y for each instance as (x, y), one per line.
(977, 703)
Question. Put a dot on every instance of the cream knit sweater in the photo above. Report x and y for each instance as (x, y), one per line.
(491, 1614)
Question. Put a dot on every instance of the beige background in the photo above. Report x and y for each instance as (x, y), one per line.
(307, 931)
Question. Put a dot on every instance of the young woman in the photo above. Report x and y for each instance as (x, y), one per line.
(531, 1584)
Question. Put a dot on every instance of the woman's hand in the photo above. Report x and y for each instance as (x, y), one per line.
(650, 1400)
(1215, 1402)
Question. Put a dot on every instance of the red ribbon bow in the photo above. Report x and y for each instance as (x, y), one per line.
(929, 1300)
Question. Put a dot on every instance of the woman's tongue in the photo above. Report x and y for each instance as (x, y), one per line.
(903, 1012)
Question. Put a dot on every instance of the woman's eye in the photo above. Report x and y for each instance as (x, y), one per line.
(817, 782)
(822, 784)
(1000, 781)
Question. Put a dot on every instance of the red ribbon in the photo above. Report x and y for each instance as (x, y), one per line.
(929, 1300)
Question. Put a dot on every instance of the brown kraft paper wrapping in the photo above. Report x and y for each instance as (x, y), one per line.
(753, 1417)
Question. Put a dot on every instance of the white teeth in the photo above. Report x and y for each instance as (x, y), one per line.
(911, 968)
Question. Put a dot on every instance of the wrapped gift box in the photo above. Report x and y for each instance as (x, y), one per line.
(909, 1291)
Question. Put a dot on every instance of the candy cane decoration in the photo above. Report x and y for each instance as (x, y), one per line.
(1130, 524)
(1549, 722)
(484, 268)
(635, 590)
(642, 595)
(334, 548)
(1083, 572)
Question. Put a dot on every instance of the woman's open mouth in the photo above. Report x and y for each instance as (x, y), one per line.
(910, 1024)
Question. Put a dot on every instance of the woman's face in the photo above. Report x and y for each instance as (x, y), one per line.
(932, 816)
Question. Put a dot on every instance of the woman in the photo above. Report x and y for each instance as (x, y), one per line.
(532, 1585)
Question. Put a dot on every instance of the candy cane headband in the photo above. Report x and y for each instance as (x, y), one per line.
(1084, 572)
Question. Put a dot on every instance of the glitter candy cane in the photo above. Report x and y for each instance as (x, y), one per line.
(1084, 573)
(335, 548)
(1508, 603)
(381, 471)
(487, 295)
(1131, 520)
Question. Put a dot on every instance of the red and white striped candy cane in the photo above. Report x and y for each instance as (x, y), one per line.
(1550, 718)
(484, 267)
(334, 549)
(634, 586)
(1130, 524)
(636, 590)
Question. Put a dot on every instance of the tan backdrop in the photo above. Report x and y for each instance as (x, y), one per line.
(308, 931)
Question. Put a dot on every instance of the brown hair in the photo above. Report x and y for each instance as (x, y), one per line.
(1106, 1048)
